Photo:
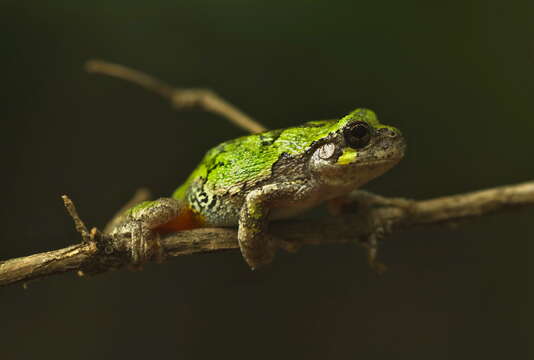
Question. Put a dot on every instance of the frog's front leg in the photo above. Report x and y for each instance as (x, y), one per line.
(138, 224)
(257, 246)
(361, 199)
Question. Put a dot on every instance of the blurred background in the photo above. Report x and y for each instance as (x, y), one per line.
(456, 76)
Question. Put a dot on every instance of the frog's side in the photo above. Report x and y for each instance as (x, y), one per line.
(272, 175)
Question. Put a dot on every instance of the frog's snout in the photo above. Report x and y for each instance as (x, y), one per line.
(390, 144)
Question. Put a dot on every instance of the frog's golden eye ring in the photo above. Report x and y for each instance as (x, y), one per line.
(357, 134)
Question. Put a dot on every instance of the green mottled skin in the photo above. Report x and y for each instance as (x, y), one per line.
(250, 158)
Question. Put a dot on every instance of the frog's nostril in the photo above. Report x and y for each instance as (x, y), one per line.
(388, 132)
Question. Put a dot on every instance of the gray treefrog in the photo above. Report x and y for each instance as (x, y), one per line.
(248, 181)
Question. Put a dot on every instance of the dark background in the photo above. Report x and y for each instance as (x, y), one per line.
(457, 77)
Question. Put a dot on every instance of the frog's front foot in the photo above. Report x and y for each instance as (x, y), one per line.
(256, 245)
(363, 199)
(257, 250)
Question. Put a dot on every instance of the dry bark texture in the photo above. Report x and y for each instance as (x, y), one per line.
(374, 218)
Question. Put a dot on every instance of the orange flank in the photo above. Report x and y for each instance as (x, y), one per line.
(186, 220)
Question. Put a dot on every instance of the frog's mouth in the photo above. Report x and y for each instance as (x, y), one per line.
(371, 157)
(392, 160)
(383, 151)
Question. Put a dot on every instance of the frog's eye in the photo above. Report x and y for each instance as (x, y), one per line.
(357, 134)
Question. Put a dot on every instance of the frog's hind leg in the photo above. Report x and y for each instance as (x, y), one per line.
(142, 194)
(361, 199)
(184, 219)
(143, 224)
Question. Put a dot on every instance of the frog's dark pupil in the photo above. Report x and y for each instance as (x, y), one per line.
(358, 135)
(360, 131)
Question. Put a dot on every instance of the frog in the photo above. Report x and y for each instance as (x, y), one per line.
(278, 174)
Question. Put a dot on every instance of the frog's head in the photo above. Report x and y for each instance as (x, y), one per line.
(357, 149)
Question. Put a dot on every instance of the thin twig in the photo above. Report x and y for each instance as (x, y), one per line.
(78, 223)
(179, 98)
(369, 221)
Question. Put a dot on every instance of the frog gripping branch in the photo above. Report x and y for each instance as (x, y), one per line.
(249, 181)
(277, 174)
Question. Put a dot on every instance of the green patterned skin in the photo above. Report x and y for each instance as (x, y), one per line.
(249, 159)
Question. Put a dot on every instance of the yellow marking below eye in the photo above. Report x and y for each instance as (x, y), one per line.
(349, 156)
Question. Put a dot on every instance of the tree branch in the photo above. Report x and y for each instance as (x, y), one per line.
(179, 98)
(376, 217)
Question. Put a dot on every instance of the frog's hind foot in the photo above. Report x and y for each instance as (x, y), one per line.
(137, 237)
(136, 242)
(144, 246)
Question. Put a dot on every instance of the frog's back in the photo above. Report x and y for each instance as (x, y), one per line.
(237, 164)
